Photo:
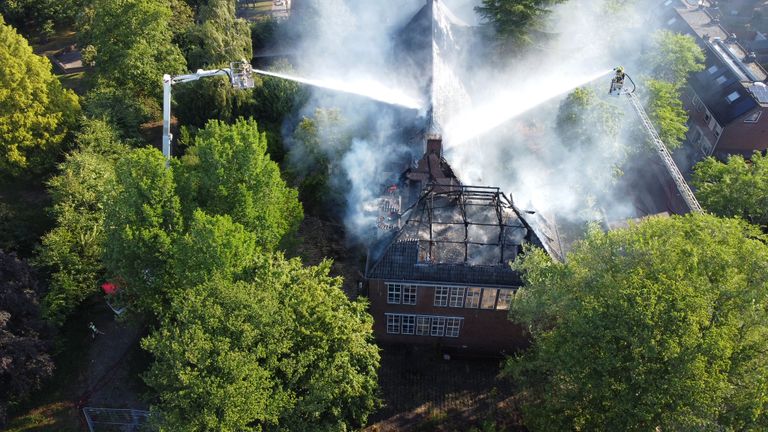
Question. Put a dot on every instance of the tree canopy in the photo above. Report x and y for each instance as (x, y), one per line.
(667, 113)
(583, 119)
(129, 42)
(661, 326)
(516, 20)
(674, 56)
(736, 188)
(219, 38)
(72, 251)
(25, 339)
(36, 112)
(282, 350)
(228, 172)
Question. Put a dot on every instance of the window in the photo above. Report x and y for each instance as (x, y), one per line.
(671, 21)
(393, 324)
(707, 117)
(489, 298)
(473, 298)
(720, 80)
(409, 294)
(409, 324)
(422, 326)
(441, 296)
(712, 70)
(457, 297)
(438, 326)
(732, 97)
(505, 299)
(394, 292)
(452, 327)
(718, 131)
(753, 118)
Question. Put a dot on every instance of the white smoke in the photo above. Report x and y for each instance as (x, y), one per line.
(498, 126)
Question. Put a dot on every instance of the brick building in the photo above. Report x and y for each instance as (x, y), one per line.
(441, 272)
(726, 101)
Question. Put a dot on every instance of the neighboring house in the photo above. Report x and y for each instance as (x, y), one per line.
(727, 100)
(440, 273)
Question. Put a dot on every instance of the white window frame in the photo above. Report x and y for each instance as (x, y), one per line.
(410, 294)
(441, 296)
(438, 326)
(423, 325)
(457, 297)
(408, 323)
(472, 300)
(453, 327)
(504, 298)
(394, 293)
(487, 291)
(393, 324)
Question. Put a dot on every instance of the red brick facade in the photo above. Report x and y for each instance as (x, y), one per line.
(480, 331)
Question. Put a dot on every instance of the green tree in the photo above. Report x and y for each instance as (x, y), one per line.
(583, 119)
(142, 222)
(36, 112)
(515, 21)
(72, 251)
(131, 48)
(667, 113)
(220, 37)
(661, 326)
(212, 245)
(228, 172)
(737, 188)
(674, 56)
(285, 350)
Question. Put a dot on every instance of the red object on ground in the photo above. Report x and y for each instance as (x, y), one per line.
(109, 288)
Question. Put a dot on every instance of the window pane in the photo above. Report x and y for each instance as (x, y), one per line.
(393, 324)
(409, 324)
(457, 297)
(489, 298)
(393, 293)
(452, 327)
(438, 326)
(422, 326)
(505, 299)
(441, 296)
(409, 294)
(473, 298)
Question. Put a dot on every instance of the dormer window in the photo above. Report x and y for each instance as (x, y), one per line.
(712, 70)
(732, 97)
(753, 118)
(720, 80)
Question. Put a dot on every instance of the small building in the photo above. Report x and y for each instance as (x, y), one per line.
(440, 273)
(726, 101)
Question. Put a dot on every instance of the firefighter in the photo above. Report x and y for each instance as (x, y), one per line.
(618, 81)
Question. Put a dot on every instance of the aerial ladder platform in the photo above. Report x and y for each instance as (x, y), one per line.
(618, 89)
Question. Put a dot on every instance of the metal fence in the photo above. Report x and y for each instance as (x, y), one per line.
(115, 420)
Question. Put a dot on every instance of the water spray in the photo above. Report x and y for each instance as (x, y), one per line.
(367, 88)
(474, 123)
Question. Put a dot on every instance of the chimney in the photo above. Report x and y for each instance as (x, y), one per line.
(435, 145)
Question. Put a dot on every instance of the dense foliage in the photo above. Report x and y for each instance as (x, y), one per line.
(583, 119)
(661, 326)
(736, 188)
(671, 58)
(219, 38)
(283, 350)
(25, 339)
(516, 21)
(228, 172)
(72, 251)
(129, 43)
(36, 112)
(667, 113)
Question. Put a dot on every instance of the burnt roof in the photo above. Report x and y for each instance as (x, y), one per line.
(456, 234)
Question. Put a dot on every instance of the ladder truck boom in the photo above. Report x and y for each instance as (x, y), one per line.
(617, 89)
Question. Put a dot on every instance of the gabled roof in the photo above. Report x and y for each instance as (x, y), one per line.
(721, 90)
